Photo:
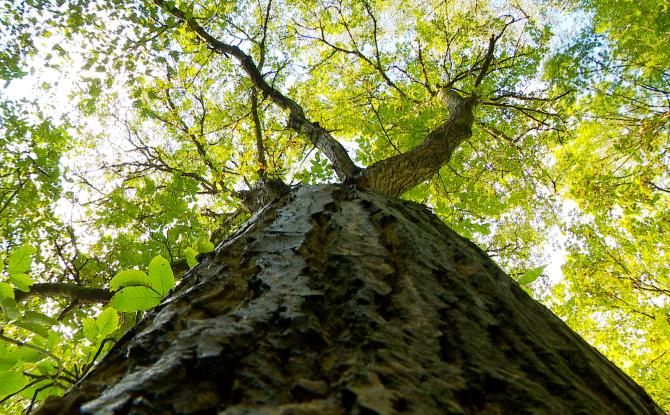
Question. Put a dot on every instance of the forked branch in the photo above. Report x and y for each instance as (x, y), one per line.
(395, 175)
(342, 164)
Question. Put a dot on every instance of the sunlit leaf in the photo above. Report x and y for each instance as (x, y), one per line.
(21, 281)
(160, 274)
(6, 290)
(107, 322)
(20, 259)
(11, 381)
(191, 257)
(34, 327)
(662, 323)
(38, 318)
(8, 356)
(46, 367)
(531, 275)
(29, 354)
(135, 299)
(129, 278)
(205, 245)
(90, 328)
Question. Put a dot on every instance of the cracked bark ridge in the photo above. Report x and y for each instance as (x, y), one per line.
(333, 300)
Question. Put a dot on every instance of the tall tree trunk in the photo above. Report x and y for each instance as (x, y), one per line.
(335, 301)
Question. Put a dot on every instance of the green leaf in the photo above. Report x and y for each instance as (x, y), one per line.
(191, 255)
(6, 290)
(53, 340)
(8, 306)
(46, 367)
(11, 382)
(532, 275)
(90, 328)
(128, 278)
(662, 323)
(107, 322)
(8, 356)
(38, 318)
(28, 354)
(20, 259)
(135, 299)
(205, 245)
(161, 276)
(21, 281)
(35, 328)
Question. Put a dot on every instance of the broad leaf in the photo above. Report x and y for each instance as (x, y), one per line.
(662, 323)
(21, 281)
(205, 245)
(46, 367)
(128, 278)
(28, 354)
(34, 327)
(107, 322)
(191, 255)
(6, 290)
(160, 274)
(8, 356)
(9, 309)
(530, 276)
(135, 299)
(38, 318)
(11, 382)
(90, 328)
(20, 259)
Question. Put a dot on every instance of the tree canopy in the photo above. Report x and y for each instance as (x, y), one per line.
(133, 132)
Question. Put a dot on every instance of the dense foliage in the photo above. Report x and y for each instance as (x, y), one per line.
(127, 141)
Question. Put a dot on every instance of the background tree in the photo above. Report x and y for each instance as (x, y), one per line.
(180, 109)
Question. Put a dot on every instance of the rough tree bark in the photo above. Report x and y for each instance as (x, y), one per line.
(333, 300)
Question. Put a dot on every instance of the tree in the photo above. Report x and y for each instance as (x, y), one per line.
(471, 109)
(335, 301)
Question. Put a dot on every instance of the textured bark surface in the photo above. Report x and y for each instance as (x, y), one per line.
(336, 301)
(395, 175)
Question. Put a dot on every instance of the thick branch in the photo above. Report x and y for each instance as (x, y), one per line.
(258, 132)
(70, 291)
(395, 175)
(321, 138)
(487, 61)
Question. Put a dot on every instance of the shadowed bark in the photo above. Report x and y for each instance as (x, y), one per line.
(336, 301)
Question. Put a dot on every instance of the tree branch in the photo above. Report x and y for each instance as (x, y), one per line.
(487, 61)
(70, 291)
(258, 132)
(657, 187)
(355, 51)
(395, 175)
(321, 138)
(11, 197)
